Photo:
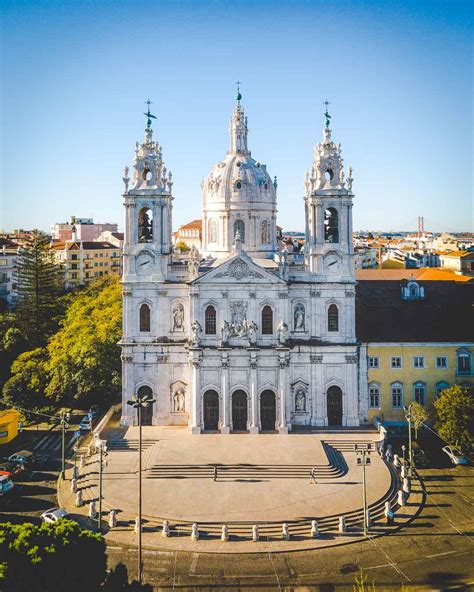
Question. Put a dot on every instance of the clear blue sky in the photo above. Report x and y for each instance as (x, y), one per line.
(75, 75)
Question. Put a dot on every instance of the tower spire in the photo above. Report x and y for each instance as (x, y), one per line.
(238, 127)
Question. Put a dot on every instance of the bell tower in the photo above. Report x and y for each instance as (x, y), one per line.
(329, 251)
(148, 208)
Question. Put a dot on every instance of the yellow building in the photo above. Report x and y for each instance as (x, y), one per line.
(416, 338)
(400, 373)
(84, 261)
(9, 420)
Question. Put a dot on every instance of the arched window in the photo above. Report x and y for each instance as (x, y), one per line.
(145, 225)
(374, 395)
(440, 387)
(265, 232)
(239, 227)
(267, 320)
(331, 226)
(144, 318)
(397, 395)
(212, 231)
(419, 392)
(463, 362)
(210, 320)
(333, 318)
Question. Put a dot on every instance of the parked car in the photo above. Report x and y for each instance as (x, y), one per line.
(11, 469)
(419, 457)
(86, 423)
(455, 456)
(6, 484)
(53, 515)
(24, 457)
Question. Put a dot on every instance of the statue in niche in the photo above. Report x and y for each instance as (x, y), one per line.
(178, 400)
(196, 330)
(178, 317)
(282, 333)
(145, 226)
(299, 318)
(300, 400)
(225, 333)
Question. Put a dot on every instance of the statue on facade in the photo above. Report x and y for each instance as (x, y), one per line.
(252, 332)
(196, 330)
(225, 333)
(178, 317)
(299, 318)
(178, 400)
(300, 400)
(282, 333)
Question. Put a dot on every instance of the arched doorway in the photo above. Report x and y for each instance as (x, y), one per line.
(334, 402)
(239, 411)
(146, 412)
(268, 411)
(211, 411)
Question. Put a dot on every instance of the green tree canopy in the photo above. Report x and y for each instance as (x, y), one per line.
(28, 382)
(83, 356)
(50, 558)
(455, 411)
(39, 285)
(418, 416)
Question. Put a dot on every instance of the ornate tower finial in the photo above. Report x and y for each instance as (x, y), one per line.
(239, 96)
(149, 115)
(326, 114)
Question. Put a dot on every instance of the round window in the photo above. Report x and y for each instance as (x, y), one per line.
(238, 185)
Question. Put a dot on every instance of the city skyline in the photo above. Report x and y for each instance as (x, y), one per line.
(398, 80)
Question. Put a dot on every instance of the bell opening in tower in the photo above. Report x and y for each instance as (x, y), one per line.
(145, 225)
(331, 226)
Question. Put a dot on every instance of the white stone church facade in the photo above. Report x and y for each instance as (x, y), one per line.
(241, 336)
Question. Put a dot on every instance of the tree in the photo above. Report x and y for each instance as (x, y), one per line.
(455, 411)
(50, 558)
(27, 384)
(418, 416)
(182, 246)
(38, 282)
(83, 356)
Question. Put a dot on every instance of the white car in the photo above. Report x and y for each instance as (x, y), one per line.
(53, 515)
(456, 457)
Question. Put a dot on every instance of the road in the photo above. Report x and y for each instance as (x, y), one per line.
(434, 553)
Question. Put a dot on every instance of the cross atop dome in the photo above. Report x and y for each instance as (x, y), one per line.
(148, 114)
(239, 96)
(326, 114)
(238, 128)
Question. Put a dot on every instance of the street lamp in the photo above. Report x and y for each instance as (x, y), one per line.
(363, 459)
(101, 446)
(404, 449)
(410, 448)
(140, 402)
(64, 420)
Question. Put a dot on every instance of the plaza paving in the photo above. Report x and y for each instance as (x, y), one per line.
(262, 479)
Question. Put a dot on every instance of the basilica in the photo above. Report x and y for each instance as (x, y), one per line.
(241, 335)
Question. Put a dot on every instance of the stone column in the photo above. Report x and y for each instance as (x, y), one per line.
(128, 386)
(196, 391)
(254, 427)
(351, 413)
(225, 426)
(282, 387)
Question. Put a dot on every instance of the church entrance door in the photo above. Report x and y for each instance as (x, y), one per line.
(334, 401)
(239, 411)
(211, 411)
(268, 411)
(146, 412)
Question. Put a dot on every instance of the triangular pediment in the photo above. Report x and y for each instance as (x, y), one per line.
(239, 269)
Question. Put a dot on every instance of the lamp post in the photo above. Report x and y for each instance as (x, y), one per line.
(404, 449)
(410, 448)
(64, 426)
(101, 446)
(140, 402)
(363, 459)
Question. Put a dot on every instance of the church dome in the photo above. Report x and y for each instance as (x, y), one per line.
(239, 189)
